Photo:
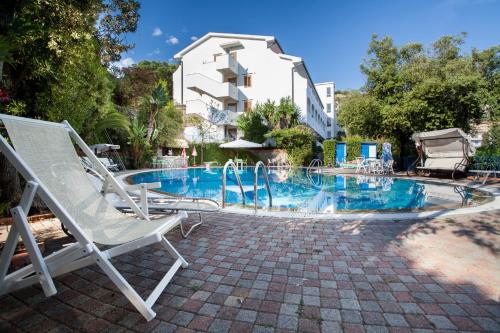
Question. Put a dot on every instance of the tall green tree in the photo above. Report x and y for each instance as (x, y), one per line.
(53, 60)
(411, 88)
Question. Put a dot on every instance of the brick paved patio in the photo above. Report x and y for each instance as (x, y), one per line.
(255, 274)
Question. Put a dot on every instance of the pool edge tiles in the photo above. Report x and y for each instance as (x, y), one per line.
(494, 203)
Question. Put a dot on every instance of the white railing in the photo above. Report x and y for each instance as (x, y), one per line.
(231, 164)
(217, 89)
(255, 179)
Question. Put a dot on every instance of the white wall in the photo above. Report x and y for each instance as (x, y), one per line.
(321, 88)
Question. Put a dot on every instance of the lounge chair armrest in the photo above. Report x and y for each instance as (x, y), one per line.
(143, 187)
(137, 187)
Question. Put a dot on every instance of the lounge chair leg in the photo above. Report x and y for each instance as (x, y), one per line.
(173, 252)
(122, 284)
(20, 227)
(34, 252)
(185, 234)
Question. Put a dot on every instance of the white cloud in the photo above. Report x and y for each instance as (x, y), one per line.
(194, 38)
(125, 62)
(172, 40)
(157, 32)
(155, 52)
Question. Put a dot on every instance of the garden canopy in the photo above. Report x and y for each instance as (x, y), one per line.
(450, 142)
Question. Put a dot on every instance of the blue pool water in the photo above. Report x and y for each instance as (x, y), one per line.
(295, 190)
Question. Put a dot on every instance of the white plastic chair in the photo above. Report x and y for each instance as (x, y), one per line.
(46, 158)
(361, 165)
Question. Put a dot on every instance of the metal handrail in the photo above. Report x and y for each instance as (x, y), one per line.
(230, 163)
(313, 163)
(255, 179)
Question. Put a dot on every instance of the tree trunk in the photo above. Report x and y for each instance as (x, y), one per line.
(10, 186)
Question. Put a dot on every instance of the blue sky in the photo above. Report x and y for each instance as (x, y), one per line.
(331, 36)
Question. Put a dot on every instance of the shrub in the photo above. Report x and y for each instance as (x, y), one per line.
(297, 141)
(329, 152)
(353, 144)
(491, 143)
(252, 124)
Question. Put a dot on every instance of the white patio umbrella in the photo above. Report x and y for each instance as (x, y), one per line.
(240, 144)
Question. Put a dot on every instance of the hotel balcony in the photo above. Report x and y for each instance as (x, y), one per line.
(227, 65)
(206, 85)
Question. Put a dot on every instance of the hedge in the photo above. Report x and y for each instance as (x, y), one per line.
(329, 147)
(212, 152)
(353, 144)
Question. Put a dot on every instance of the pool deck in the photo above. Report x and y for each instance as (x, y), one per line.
(270, 274)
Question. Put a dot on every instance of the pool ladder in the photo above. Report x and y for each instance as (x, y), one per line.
(230, 164)
(315, 164)
(255, 179)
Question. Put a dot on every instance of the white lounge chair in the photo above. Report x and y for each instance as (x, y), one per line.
(46, 158)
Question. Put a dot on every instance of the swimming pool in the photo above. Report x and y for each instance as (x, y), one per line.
(296, 190)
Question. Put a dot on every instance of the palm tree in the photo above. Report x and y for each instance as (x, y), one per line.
(137, 141)
(155, 102)
(287, 114)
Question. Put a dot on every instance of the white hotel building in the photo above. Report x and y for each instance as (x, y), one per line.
(222, 75)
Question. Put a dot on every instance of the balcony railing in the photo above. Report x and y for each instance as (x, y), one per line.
(226, 64)
(204, 84)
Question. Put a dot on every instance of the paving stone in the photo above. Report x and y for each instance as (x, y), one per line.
(350, 316)
(411, 308)
(182, 318)
(220, 326)
(453, 309)
(330, 314)
(395, 320)
(370, 306)
(209, 309)
(311, 300)
(441, 322)
(287, 322)
(350, 304)
(487, 324)
(376, 329)
(164, 328)
(331, 327)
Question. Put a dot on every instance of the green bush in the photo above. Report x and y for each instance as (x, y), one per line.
(212, 152)
(353, 144)
(491, 143)
(297, 141)
(329, 147)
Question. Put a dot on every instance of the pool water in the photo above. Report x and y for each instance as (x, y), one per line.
(319, 193)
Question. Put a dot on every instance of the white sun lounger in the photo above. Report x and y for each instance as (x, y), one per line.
(154, 203)
(46, 158)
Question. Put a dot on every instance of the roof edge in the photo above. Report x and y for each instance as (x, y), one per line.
(209, 35)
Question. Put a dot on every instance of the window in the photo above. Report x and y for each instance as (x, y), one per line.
(217, 55)
(247, 106)
(328, 91)
(247, 80)
(329, 122)
(328, 134)
(328, 107)
(232, 107)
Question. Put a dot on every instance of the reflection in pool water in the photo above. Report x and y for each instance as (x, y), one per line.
(296, 190)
